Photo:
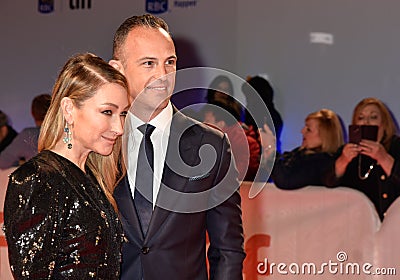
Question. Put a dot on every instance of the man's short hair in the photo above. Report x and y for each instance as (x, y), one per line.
(145, 20)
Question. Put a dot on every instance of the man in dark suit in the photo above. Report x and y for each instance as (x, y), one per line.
(195, 186)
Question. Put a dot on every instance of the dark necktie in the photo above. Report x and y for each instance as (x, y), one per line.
(144, 178)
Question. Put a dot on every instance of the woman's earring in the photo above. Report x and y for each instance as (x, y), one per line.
(68, 136)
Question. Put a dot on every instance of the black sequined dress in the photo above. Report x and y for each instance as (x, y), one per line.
(59, 224)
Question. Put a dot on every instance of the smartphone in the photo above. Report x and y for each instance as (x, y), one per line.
(359, 132)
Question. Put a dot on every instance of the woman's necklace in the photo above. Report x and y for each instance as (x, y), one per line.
(366, 175)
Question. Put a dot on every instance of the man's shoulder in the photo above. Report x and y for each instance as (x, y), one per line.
(194, 126)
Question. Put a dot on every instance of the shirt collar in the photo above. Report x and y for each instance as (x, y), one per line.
(162, 121)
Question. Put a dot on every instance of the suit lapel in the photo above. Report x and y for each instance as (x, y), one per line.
(126, 207)
(188, 144)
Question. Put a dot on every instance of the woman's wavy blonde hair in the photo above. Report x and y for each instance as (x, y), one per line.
(330, 130)
(79, 80)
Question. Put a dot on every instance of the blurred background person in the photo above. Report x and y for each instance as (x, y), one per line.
(25, 145)
(372, 167)
(259, 85)
(221, 91)
(7, 132)
(245, 149)
(309, 163)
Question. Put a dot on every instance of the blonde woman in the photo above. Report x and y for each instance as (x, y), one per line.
(59, 215)
(308, 164)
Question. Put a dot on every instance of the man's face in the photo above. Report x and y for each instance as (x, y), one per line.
(149, 66)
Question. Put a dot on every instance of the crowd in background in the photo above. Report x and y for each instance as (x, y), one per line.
(322, 159)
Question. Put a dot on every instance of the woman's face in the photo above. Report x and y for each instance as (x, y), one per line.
(99, 121)
(371, 115)
(221, 94)
(311, 137)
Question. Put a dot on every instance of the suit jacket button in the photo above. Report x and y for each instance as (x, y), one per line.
(145, 250)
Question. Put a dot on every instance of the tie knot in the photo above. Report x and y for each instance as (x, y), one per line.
(146, 129)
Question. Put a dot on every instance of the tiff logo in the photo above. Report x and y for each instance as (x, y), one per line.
(80, 4)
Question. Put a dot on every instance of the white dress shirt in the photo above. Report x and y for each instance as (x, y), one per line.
(159, 138)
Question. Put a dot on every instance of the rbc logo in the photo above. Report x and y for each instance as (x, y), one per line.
(46, 6)
(156, 6)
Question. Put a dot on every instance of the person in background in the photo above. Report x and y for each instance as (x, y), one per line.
(309, 163)
(60, 218)
(7, 132)
(221, 91)
(245, 150)
(372, 167)
(168, 215)
(24, 146)
(254, 85)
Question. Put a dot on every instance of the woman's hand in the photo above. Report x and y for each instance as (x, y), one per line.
(268, 142)
(349, 152)
(372, 149)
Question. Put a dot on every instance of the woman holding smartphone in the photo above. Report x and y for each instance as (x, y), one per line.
(371, 167)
